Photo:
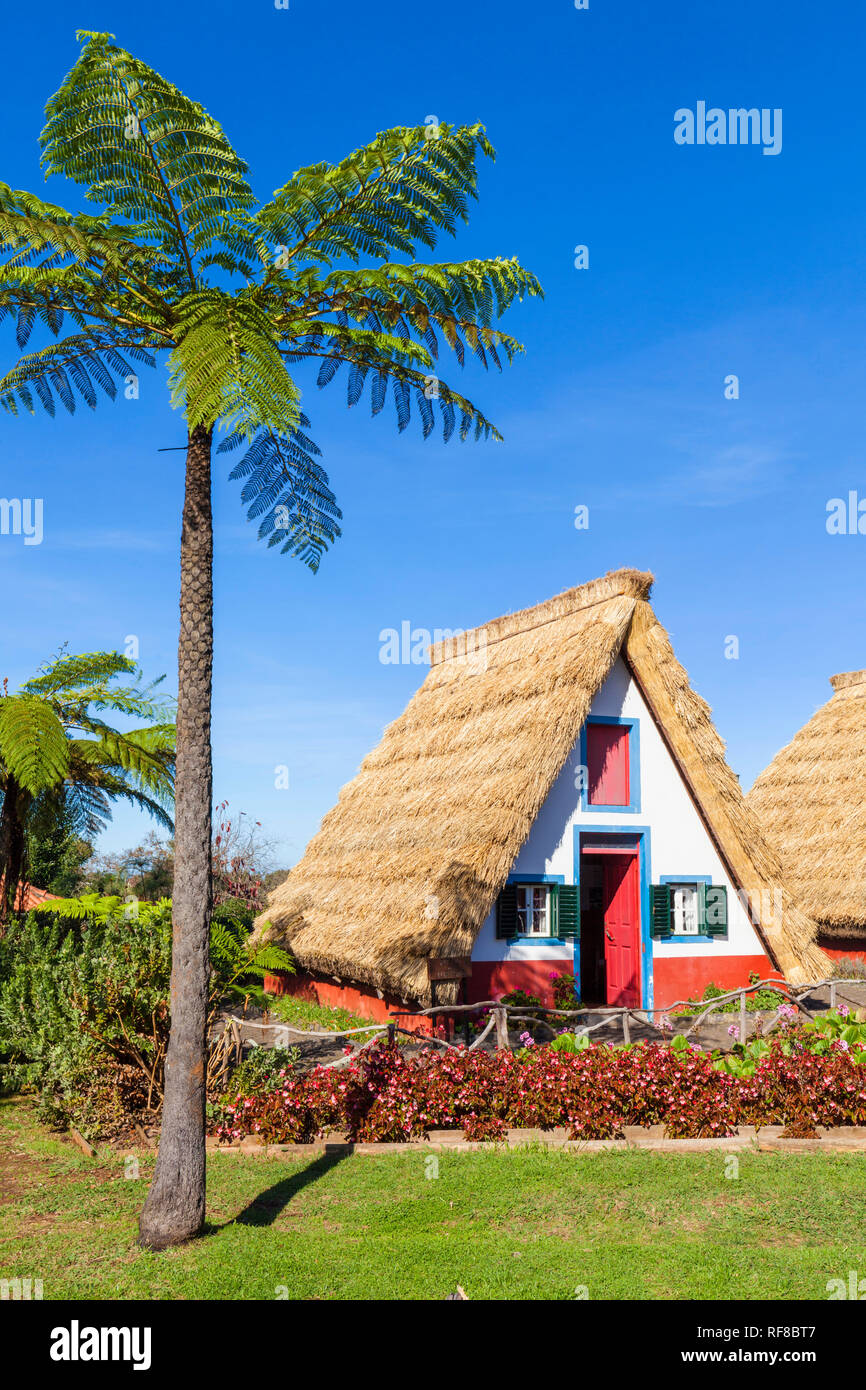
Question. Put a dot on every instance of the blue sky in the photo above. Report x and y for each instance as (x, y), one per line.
(704, 261)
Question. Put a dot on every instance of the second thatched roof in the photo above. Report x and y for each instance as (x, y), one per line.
(812, 802)
(410, 861)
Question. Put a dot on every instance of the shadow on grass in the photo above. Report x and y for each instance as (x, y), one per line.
(264, 1209)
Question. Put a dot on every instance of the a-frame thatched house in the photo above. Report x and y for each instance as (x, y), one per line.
(812, 803)
(554, 798)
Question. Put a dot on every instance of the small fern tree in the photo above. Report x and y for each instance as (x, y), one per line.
(58, 752)
(181, 262)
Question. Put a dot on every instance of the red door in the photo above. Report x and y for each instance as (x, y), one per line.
(622, 930)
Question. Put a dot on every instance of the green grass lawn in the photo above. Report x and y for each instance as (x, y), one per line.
(521, 1224)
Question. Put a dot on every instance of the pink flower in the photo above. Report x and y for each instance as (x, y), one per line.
(734, 1031)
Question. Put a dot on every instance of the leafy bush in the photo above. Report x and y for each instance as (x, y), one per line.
(761, 1001)
(263, 1070)
(84, 1003)
(563, 992)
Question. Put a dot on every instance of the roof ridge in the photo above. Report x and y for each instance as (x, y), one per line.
(846, 679)
(621, 583)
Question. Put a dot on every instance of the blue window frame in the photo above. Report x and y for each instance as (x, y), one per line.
(541, 879)
(686, 938)
(633, 726)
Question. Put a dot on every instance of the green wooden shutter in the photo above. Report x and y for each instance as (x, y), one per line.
(553, 908)
(568, 895)
(702, 907)
(716, 910)
(506, 912)
(660, 909)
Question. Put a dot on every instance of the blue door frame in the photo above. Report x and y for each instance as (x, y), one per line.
(628, 837)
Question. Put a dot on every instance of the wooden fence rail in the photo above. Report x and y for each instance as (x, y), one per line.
(501, 1015)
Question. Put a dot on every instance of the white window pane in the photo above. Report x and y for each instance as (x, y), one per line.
(521, 910)
(533, 909)
(685, 902)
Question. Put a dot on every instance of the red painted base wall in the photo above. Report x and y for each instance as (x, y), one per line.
(838, 947)
(686, 977)
(355, 998)
(492, 978)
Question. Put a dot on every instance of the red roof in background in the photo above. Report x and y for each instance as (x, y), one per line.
(29, 897)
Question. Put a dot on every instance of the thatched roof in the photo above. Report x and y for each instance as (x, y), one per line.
(411, 859)
(812, 802)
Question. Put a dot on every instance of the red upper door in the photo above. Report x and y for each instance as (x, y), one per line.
(607, 764)
(622, 930)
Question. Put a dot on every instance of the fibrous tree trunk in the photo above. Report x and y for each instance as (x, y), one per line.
(175, 1206)
(12, 846)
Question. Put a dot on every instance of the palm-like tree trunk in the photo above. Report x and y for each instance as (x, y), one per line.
(11, 846)
(175, 1206)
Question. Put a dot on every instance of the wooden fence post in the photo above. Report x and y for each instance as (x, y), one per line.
(626, 1031)
(501, 1028)
(743, 1021)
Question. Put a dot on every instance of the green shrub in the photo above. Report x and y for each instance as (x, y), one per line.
(84, 1003)
(761, 1001)
(262, 1071)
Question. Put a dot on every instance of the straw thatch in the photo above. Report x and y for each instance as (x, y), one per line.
(411, 859)
(812, 802)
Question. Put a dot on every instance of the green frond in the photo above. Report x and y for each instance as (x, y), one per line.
(83, 361)
(227, 367)
(289, 491)
(402, 189)
(90, 906)
(268, 958)
(69, 673)
(89, 808)
(143, 768)
(116, 788)
(475, 291)
(143, 149)
(33, 744)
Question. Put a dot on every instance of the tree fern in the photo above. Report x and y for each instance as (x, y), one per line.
(56, 746)
(179, 265)
(175, 205)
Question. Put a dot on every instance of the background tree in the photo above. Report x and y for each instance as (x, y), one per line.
(55, 854)
(146, 870)
(181, 260)
(59, 759)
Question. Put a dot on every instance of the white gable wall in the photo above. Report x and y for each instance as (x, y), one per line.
(679, 842)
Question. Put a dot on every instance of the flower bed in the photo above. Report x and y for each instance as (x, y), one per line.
(594, 1090)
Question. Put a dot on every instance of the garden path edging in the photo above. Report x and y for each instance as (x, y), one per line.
(841, 1139)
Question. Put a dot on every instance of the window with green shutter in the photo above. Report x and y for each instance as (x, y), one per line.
(687, 908)
(541, 910)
